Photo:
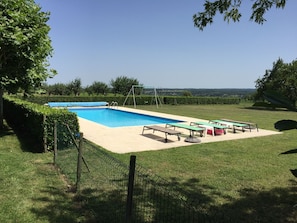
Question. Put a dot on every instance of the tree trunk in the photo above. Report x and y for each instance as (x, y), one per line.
(1, 109)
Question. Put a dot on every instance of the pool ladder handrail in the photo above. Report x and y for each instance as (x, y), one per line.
(113, 104)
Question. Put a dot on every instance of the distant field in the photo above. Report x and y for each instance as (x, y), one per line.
(218, 92)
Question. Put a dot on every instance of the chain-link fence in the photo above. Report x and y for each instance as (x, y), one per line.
(105, 192)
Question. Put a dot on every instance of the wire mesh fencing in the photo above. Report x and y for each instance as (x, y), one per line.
(103, 192)
(102, 185)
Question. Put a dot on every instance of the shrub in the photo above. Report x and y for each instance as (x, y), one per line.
(36, 122)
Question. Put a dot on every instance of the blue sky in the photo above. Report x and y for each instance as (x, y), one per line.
(156, 42)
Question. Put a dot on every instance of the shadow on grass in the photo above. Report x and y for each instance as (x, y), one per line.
(56, 210)
(28, 144)
(276, 205)
(156, 204)
(91, 205)
(289, 152)
(272, 206)
(7, 130)
(265, 108)
(285, 124)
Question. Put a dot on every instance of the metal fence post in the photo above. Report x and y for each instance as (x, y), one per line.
(55, 142)
(130, 189)
(45, 133)
(79, 161)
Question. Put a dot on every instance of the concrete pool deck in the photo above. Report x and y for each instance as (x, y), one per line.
(131, 139)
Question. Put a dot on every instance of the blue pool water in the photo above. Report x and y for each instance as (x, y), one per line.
(117, 118)
(77, 104)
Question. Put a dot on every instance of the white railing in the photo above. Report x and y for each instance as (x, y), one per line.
(113, 104)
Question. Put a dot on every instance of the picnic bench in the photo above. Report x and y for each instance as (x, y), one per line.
(167, 131)
(251, 125)
(192, 129)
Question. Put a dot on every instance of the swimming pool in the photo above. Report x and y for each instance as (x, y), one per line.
(78, 104)
(117, 118)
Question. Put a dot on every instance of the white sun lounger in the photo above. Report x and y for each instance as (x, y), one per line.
(188, 127)
(231, 125)
(211, 126)
(167, 131)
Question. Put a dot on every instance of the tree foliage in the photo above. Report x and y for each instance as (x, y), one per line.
(57, 89)
(123, 84)
(230, 10)
(24, 46)
(97, 88)
(282, 78)
(75, 86)
(187, 93)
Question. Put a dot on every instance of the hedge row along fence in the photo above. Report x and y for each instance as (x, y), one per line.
(140, 100)
(36, 122)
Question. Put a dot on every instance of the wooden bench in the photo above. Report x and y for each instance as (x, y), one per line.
(162, 129)
(188, 127)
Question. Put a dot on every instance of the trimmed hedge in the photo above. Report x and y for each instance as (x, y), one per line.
(45, 99)
(140, 99)
(37, 122)
(200, 100)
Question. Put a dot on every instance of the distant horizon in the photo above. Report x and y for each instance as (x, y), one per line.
(151, 87)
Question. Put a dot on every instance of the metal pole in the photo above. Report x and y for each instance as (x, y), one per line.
(156, 97)
(127, 97)
(79, 161)
(133, 96)
(77, 146)
(130, 189)
(44, 134)
(55, 142)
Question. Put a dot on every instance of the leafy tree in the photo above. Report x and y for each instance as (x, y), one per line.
(187, 94)
(24, 47)
(97, 88)
(75, 87)
(123, 84)
(230, 10)
(89, 90)
(57, 89)
(282, 78)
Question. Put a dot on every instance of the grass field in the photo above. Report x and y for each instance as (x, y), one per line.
(31, 190)
(246, 179)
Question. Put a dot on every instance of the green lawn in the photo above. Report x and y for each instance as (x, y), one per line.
(247, 179)
(31, 190)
